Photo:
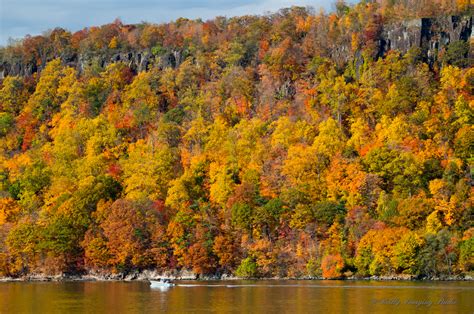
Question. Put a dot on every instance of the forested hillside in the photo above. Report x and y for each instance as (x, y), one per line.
(292, 144)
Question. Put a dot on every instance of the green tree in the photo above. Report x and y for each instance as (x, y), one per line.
(247, 268)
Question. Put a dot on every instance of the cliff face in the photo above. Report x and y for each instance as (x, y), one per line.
(431, 35)
(136, 60)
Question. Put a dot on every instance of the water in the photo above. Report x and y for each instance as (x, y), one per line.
(238, 297)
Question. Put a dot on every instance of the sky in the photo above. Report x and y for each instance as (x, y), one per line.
(21, 17)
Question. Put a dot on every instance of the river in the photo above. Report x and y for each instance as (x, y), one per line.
(275, 296)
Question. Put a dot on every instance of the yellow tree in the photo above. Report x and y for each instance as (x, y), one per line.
(148, 170)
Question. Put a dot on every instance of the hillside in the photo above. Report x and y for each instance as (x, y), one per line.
(295, 144)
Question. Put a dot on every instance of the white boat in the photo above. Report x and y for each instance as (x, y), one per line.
(161, 284)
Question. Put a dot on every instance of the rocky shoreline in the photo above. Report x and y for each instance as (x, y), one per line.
(187, 275)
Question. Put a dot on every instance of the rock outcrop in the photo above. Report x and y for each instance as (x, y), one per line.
(431, 35)
(137, 60)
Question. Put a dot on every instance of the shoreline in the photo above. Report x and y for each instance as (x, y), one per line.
(188, 276)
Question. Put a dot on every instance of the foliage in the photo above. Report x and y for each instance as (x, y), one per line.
(275, 145)
(247, 268)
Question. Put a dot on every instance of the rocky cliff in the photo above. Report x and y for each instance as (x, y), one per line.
(137, 60)
(431, 35)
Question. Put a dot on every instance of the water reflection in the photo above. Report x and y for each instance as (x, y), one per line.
(163, 289)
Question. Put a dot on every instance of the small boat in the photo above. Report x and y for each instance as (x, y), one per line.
(161, 283)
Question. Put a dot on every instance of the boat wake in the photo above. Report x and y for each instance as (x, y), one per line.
(323, 286)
